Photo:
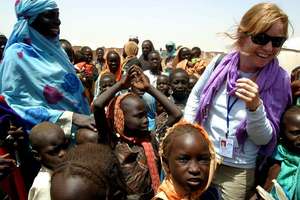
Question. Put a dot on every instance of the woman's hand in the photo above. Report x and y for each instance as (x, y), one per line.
(84, 121)
(248, 91)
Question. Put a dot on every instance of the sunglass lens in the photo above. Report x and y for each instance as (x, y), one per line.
(278, 41)
(260, 39)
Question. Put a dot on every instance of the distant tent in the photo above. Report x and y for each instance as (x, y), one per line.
(289, 57)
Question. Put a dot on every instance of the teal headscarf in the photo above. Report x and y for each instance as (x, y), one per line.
(36, 77)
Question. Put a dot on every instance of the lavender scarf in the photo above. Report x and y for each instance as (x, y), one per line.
(274, 90)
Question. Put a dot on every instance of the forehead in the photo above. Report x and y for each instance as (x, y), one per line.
(292, 120)
(185, 51)
(133, 104)
(154, 55)
(277, 29)
(146, 44)
(190, 142)
(162, 79)
(113, 56)
(49, 12)
(180, 75)
(52, 138)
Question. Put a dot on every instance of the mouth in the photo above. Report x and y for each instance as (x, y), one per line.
(194, 182)
(55, 30)
(263, 55)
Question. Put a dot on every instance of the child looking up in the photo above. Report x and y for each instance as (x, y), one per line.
(163, 84)
(286, 169)
(179, 80)
(48, 146)
(188, 159)
(126, 129)
(89, 171)
(155, 69)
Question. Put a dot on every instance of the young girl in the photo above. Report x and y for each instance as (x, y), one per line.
(188, 159)
(286, 167)
(126, 129)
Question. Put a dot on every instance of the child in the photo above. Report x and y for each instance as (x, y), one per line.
(85, 135)
(113, 65)
(286, 169)
(155, 67)
(89, 171)
(126, 129)
(48, 146)
(188, 159)
(179, 80)
(295, 85)
(192, 81)
(163, 84)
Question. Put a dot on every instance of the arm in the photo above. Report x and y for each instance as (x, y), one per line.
(99, 108)
(272, 174)
(174, 114)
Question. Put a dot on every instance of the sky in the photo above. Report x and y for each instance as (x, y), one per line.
(188, 23)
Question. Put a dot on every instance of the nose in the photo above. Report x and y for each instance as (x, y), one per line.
(268, 46)
(194, 167)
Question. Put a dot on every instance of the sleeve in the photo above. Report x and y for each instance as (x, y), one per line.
(258, 126)
(193, 101)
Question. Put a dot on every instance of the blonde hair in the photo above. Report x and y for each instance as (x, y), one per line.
(259, 19)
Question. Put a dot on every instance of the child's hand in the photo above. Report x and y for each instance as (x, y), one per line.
(247, 90)
(84, 121)
(140, 80)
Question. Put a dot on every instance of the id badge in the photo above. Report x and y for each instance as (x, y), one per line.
(226, 147)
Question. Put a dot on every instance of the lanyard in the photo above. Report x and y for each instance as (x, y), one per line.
(229, 108)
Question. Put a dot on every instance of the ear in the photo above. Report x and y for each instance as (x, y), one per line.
(36, 155)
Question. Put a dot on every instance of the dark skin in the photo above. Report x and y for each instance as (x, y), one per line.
(113, 62)
(185, 53)
(85, 135)
(146, 49)
(3, 41)
(189, 162)
(180, 86)
(73, 187)
(192, 81)
(47, 23)
(107, 81)
(295, 85)
(88, 54)
(100, 54)
(163, 85)
(155, 62)
(196, 53)
(136, 78)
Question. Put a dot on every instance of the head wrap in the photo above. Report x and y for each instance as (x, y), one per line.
(173, 52)
(36, 76)
(131, 48)
(271, 82)
(117, 74)
(116, 115)
(27, 11)
(168, 187)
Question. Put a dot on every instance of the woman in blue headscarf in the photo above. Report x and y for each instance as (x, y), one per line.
(37, 79)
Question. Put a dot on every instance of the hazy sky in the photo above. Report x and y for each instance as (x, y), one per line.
(186, 22)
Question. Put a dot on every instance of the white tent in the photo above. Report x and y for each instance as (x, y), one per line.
(289, 57)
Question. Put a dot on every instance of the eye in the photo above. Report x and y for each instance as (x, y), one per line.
(183, 159)
(294, 133)
(204, 159)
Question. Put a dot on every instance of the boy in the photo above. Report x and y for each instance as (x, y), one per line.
(48, 146)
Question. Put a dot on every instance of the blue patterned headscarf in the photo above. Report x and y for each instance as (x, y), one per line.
(36, 77)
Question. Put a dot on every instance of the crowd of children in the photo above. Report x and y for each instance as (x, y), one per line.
(135, 144)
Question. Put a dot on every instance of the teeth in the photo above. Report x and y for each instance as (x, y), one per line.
(262, 55)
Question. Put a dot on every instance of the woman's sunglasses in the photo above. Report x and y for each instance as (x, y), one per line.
(263, 39)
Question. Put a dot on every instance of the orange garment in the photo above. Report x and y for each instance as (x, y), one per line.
(85, 68)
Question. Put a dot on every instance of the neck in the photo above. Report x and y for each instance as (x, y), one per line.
(245, 65)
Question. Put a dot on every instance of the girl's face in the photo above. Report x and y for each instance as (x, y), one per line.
(113, 61)
(292, 132)
(189, 162)
(185, 53)
(106, 82)
(146, 48)
(47, 23)
(255, 56)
